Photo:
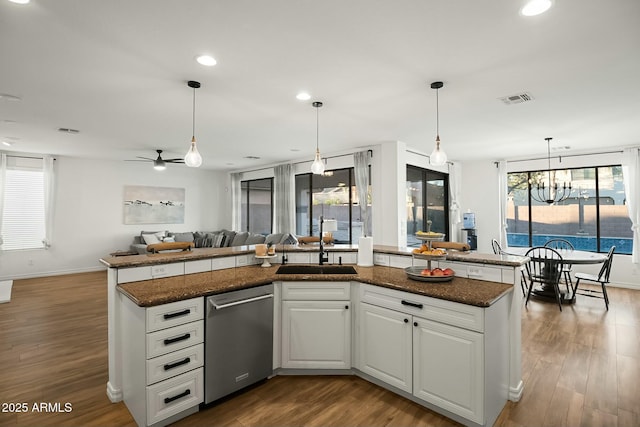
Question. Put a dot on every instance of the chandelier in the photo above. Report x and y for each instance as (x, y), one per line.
(553, 193)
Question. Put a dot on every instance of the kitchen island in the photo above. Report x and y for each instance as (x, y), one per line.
(157, 280)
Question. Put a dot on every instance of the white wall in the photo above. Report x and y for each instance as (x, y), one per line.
(480, 195)
(89, 213)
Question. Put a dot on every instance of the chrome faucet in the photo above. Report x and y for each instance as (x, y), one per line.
(322, 257)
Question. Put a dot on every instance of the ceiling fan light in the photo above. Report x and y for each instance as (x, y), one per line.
(159, 165)
(317, 167)
(193, 159)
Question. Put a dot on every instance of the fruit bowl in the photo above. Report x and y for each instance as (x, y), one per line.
(426, 275)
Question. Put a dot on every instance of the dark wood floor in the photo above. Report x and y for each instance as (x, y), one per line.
(581, 367)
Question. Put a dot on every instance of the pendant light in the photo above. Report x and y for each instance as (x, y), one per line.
(317, 167)
(193, 158)
(438, 157)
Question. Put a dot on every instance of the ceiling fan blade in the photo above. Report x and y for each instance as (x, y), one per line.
(174, 160)
(135, 160)
(146, 158)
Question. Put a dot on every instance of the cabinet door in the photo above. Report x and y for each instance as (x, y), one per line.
(316, 334)
(384, 345)
(448, 368)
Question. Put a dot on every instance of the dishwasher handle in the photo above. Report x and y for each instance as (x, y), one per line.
(244, 301)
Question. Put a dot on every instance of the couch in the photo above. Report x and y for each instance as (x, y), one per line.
(209, 239)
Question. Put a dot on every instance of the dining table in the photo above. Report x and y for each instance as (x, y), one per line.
(572, 257)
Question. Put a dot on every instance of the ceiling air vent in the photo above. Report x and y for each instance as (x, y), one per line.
(517, 99)
(68, 130)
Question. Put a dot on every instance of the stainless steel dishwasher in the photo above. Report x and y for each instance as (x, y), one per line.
(239, 340)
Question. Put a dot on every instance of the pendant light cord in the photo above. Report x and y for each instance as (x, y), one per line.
(437, 113)
(317, 128)
(193, 129)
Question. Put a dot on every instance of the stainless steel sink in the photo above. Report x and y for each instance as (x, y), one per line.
(316, 269)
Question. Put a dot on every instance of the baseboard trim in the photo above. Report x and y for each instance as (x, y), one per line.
(53, 273)
(114, 395)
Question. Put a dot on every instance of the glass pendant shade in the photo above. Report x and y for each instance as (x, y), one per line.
(159, 165)
(193, 159)
(317, 167)
(438, 157)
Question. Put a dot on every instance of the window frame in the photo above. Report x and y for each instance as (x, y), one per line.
(597, 196)
(247, 218)
(425, 179)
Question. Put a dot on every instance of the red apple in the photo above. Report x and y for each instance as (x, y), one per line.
(426, 272)
(448, 272)
(437, 272)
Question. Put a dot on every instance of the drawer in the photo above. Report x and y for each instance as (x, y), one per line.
(176, 338)
(175, 313)
(300, 257)
(174, 395)
(398, 261)
(197, 266)
(316, 291)
(381, 259)
(222, 263)
(482, 272)
(134, 274)
(347, 257)
(175, 363)
(447, 312)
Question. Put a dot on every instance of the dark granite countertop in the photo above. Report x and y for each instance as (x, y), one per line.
(161, 291)
(203, 253)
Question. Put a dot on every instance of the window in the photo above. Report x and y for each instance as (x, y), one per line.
(593, 218)
(427, 200)
(257, 205)
(332, 195)
(23, 219)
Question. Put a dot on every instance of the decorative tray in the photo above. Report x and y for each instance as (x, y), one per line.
(414, 273)
(420, 255)
(430, 237)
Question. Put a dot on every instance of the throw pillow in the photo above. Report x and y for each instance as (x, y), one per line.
(150, 239)
(290, 239)
(240, 239)
(274, 238)
(228, 237)
(183, 237)
(169, 239)
(254, 239)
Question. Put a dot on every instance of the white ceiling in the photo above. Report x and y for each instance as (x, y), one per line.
(116, 70)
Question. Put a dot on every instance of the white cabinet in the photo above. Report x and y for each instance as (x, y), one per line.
(447, 354)
(384, 345)
(163, 359)
(448, 368)
(316, 325)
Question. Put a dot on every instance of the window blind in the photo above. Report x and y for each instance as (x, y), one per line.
(23, 221)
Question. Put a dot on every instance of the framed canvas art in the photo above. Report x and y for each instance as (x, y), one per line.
(153, 205)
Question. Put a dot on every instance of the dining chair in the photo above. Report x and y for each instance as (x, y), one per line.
(497, 249)
(563, 245)
(544, 268)
(602, 278)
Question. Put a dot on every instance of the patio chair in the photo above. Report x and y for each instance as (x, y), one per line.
(602, 278)
(544, 268)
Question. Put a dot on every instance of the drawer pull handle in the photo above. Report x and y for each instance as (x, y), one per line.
(176, 339)
(177, 314)
(187, 392)
(412, 304)
(176, 364)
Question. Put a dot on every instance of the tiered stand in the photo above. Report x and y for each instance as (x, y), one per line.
(414, 272)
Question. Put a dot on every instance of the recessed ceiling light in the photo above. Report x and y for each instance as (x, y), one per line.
(535, 7)
(7, 122)
(7, 143)
(295, 149)
(7, 97)
(303, 96)
(252, 157)
(207, 60)
(19, 1)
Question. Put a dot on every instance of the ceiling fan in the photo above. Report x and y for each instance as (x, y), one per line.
(159, 163)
